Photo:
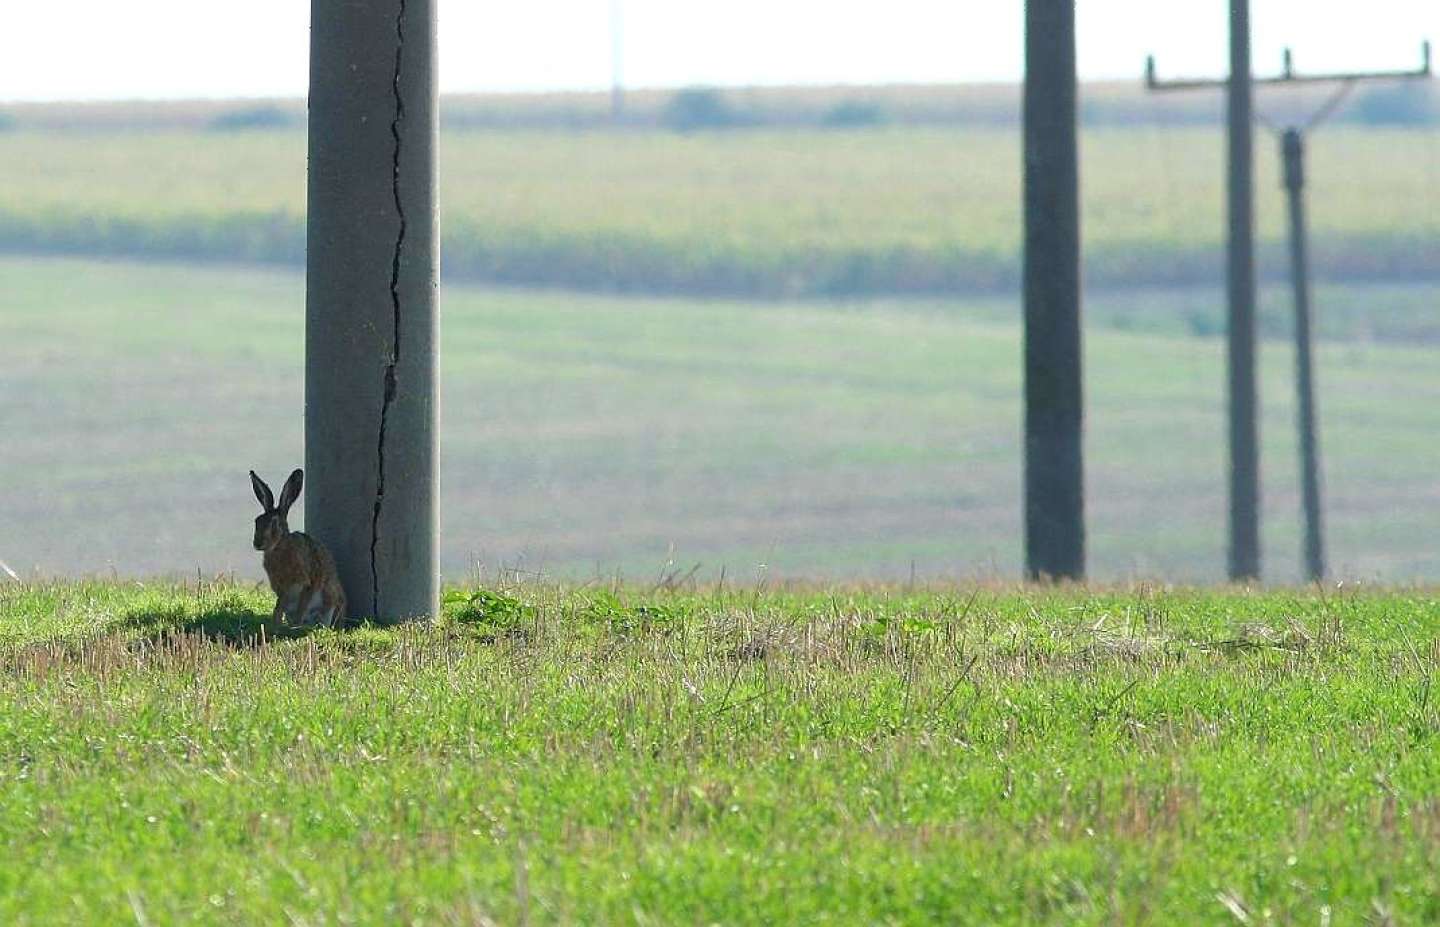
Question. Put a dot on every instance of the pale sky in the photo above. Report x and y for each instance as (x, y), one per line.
(108, 49)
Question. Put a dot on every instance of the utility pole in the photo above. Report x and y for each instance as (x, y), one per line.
(1244, 551)
(1240, 287)
(1292, 153)
(371, 324)
(1054, 471)
(617, 60)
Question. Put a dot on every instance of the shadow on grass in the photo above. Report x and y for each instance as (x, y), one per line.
(231, 625)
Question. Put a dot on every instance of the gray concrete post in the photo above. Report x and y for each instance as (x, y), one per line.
(371, 332)
(1243, 386)
(1054, 409)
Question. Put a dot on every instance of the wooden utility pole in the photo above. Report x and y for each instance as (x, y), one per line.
(371, 404)
(1292, 154)
(1054, 470)
(1292, 157)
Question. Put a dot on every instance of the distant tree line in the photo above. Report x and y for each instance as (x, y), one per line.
(692, 109)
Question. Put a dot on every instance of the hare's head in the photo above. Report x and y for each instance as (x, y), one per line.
(271, 525)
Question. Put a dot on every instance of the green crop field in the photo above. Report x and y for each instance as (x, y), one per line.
(588, 434)
(639, 704)
(770, 212)
(722, 755)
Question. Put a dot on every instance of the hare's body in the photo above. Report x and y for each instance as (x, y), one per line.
(300, 569)
(302, 576)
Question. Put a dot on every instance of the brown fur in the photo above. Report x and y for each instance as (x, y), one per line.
(299, 568)
(301, 571)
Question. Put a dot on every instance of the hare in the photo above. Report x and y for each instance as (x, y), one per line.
(300, 569)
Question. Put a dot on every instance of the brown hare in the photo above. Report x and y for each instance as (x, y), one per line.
(300, 569)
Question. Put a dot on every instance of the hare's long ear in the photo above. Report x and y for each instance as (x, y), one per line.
(291, 491)
(262, 492)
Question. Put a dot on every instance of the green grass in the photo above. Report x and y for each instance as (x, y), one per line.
(722, 755)
(586, 434)
(776, 212)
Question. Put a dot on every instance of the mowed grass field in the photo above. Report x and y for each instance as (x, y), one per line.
(585, 435)
(901, 209)
(722, 755)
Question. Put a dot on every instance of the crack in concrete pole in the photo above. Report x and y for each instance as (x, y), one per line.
(372, 325)
(394, 361)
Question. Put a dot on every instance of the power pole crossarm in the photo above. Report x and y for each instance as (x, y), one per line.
(1287, 75)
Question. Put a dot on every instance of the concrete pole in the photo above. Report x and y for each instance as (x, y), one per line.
(1054, 472)
(1240, 279)
(1292, 145)
(371, 329)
